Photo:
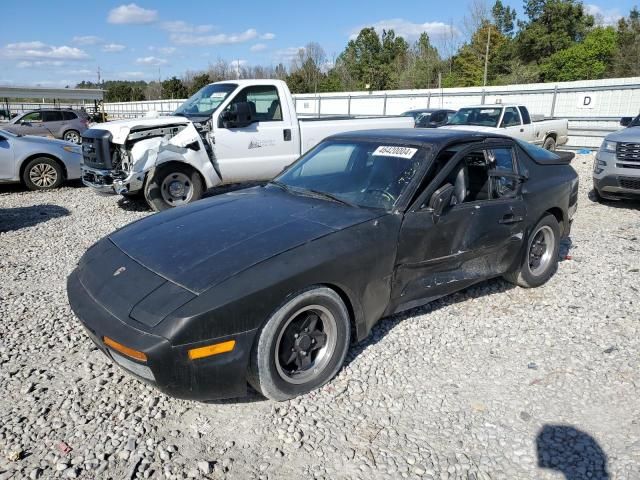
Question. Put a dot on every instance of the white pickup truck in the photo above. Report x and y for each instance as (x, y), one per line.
(512, 120)
(228, 132)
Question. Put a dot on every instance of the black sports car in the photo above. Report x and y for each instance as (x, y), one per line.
(269, 285)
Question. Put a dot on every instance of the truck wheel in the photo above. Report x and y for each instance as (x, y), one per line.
(541, 258)
(43, 173)
(302, 346)
(172, 185)
(549, 144)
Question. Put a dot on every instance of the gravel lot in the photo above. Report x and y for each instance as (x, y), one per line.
(494, 382)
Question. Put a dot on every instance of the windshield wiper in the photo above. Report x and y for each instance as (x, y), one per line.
(331, 197)
(282, 186)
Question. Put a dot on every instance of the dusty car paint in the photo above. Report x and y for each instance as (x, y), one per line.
(217, 269)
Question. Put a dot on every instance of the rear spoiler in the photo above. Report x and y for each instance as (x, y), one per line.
(564, 158)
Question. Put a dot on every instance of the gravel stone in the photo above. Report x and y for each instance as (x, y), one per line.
(489, 383)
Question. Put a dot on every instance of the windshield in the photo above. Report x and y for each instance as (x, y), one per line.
(481, 116)
(360, 173)
(205, 101)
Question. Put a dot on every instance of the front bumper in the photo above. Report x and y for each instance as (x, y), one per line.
(105, 181)
(168, 367)
(617, 186)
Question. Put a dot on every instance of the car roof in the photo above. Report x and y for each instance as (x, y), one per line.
(418, 136)
(429, 110)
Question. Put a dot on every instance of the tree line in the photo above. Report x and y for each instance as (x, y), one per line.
(557, 40)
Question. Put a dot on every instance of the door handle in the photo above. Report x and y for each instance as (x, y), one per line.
(510, 218)
(522, 129)
(287, 134)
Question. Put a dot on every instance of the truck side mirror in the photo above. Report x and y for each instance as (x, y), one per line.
(441, 199)
(625, 121)
(237, 116)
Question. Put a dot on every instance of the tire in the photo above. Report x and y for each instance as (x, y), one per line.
(532, 274)
(549, 144)
(72, 136)
(43, 173)
(172, 185)
(284, 365)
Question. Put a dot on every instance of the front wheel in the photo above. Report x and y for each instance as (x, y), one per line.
(302, 346)
(172, 185)
(541, 258)
(43, 174)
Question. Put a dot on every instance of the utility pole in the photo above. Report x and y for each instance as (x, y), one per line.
(98, 75)
(486, 58)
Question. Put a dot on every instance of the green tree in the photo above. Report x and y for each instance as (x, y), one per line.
(504, 18)
(198, 82)
(586, 60)
(552, 26)
(626, 62)
(361, 59)
(173, 88)
(468, 63)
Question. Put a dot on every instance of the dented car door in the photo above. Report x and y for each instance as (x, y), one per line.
(477, 236)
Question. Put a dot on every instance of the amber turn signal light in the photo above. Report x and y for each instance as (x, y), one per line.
(210, 350)
(129, 352)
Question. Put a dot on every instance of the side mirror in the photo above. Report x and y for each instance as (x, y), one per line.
(237, 116)
(625, 121)
(441, 199)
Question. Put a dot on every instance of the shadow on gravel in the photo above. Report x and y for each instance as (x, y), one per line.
(386, 324)
(22, 217)
(18, 187)
(571, 452)
(626, 204)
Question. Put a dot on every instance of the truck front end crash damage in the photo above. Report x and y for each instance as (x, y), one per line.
(118, 156)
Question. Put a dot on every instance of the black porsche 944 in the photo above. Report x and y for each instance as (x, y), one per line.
(269, 285)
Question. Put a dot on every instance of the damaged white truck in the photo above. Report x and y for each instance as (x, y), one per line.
(228, 132)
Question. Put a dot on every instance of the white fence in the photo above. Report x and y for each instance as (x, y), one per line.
(593, 107)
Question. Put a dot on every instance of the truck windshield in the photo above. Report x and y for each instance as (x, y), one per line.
(481, 116)
(361, 173)
(205, 101)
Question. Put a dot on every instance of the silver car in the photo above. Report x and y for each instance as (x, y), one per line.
(65, 124)
(39, 163)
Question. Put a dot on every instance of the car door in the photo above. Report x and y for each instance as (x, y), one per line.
(7, 160)
(262, 149)
(512, 124)
(478, 235)
(29, 124)
(52, 122)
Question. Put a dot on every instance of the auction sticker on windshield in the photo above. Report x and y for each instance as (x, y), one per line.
(395, 151)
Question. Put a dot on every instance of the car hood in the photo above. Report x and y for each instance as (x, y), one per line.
(201, 245)
(45, 141)
(120, 128)
(631, 134)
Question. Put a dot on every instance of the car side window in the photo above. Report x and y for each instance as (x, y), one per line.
(333, 159)
(476, 177)
(32, 117)
(52, 116)
(69, 116)
(511, 117)
(264, 102)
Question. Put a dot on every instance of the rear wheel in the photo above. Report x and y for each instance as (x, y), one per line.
(173, 185)
(43, 173)
(541, 258)
(302, 346)
(72, 136)
(549, 144)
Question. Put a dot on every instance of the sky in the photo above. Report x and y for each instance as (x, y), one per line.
(58, 44)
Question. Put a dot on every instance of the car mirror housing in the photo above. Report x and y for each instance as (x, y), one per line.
(625, 121)
(237, 116)
(441, 199)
